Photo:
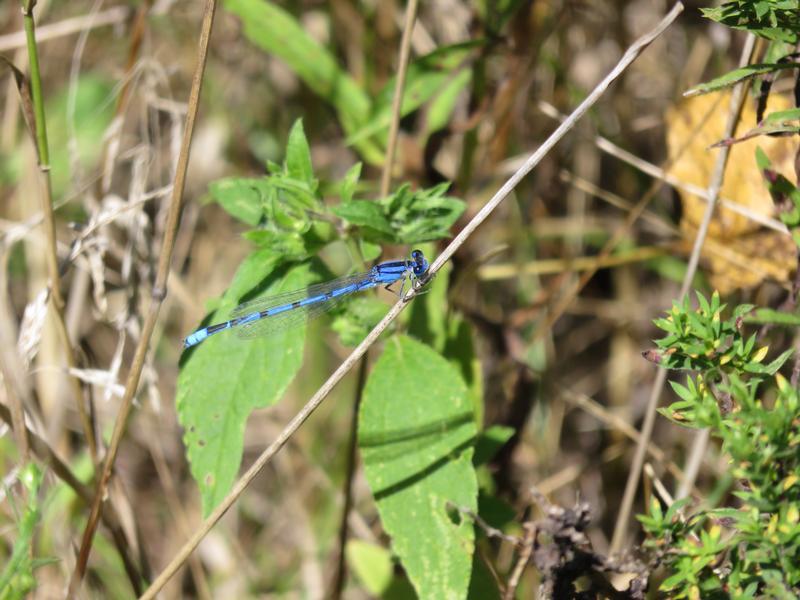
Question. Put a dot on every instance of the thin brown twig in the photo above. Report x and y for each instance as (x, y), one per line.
(51, 31)
(397, 100)
(137, 36)
(662, 173)
(522, 561)
(712, 194)
(289, 430)
(177, 511)
(341, 563)
(159, 291)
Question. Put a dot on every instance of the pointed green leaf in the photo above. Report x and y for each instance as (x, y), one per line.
(349, 183)
(298, 156)
(372, 564)
(277, 32)
(364, 213)
(241, 197)
(738, 75)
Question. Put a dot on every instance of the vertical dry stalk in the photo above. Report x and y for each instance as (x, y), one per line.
(397, 100)
(712, 195)
(159, 291)
(386, 181)
(51, 255)
(289, 430)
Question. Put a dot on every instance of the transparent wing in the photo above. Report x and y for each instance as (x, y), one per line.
(293, 317)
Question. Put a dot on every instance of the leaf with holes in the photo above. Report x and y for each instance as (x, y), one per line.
(416, 432)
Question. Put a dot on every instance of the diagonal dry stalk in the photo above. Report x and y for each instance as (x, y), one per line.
(51, 254)
(712, 195)
(159, 291)
(289, 430)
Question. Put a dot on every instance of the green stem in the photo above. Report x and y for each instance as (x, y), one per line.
(36, 88)
(51, 255)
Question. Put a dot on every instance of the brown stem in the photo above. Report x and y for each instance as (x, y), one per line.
(397, 100)
(341, 562)
(159, 291)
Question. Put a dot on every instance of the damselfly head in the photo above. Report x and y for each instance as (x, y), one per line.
(420, 263)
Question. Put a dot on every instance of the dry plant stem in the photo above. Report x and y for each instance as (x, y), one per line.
(613, 421)
(111, 16)
(522, 561)
(203, 529)
(137, 36)
(159, 291)
(51, 255)
(397, 100)
(657, 172)
(545, 266)
(712, 194)
(177, 510)
(386, 181)
(630, 55)
(341, 563)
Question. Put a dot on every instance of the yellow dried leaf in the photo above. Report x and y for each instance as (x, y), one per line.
(789, 482)
(760, 354)
(793, 514)
(738, 252)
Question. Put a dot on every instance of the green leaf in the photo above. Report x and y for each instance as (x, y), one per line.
(17, 579)
(224, 379)
(416, 430)
(298, 156)
(361, 316)
(772, 20)
(441, 108)
(780, 116)
(426, 77)
(422, 215)
(73, 132)
(737, 75)
(349, 183)
(369, 251)
(489, 443)
(277, 32)
(241, 197)
(773, 317)
(372, 564)
(287, 243)
(434, 322)
(776, 364)
(364, 213)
